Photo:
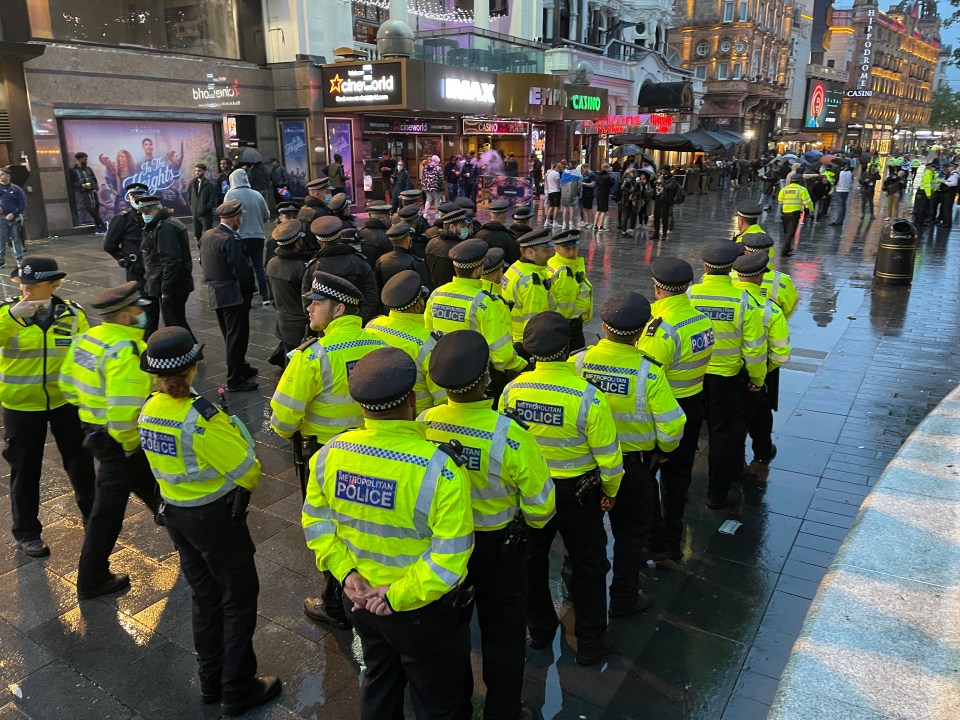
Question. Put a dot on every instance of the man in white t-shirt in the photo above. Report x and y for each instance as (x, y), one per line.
(551, 182)
(841, 192)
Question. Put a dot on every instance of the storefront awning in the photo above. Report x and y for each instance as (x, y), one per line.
(666, 96)
(707, 140)
(655, 141)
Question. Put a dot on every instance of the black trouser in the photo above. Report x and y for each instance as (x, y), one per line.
(577, 341)
(173, 309)
(234, 324)
(499, 575)
(429, 648)
(202, 223)
(866, 201)
(761, 421)
(581, 527)
(25, 432)
(254, 248)
(675, 476)
(90, 202)
(921, 206)
(791, 221)
(946, 206)
(135, 272)
(216, 556)
(630, 521)
(935, 202)
(729, 404)
(117, 477)
(661, 216)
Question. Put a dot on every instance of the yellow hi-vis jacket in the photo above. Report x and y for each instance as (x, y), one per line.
(571, 288)
(929, 182)
(101, 375)
(680, 338)
(794, 198)
(195, 451)
(775, 324)
(739, 338)
(31, 356)
(779, 287)
(313, 396)
(527, 286)
(407, 332)
(753, 230)
(570, 419)
(644, 410)
(390, 504)
(503, 462)
(463, 304)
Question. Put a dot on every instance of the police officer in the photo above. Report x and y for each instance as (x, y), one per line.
(343, 260)
(315, 204)
(285, 211)
(521, 222)
(737, 369)
(924, 197)
(496, 233)
(373, 237)
(572, 423)
(748, 217)
(400, 258)
(285, 276)
(438, 249)
(570, 286)
(388, 514)
(511, 490)
(948, 194)
(473, 225)
(493, 272)
(463, 304)
(228, 272)
(311, 401)
(206, 469)
(681, 339)
(526, 283)
(411, 197)
(36, 329)
(750, 272)
(649, 426)
(793, 199)
(101, 375)
(124, 234)
(167, 263)
(418, 225)
(778, 286)
(405, 297)
(339, 208)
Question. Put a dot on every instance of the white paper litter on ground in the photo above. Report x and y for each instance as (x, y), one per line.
(729, 527)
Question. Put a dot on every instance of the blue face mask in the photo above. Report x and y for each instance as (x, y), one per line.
(327, 198)
(141, 321)
(133, 204)
(147, 217)
(464, 233)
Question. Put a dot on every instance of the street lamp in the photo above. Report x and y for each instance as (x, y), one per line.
(748, 135)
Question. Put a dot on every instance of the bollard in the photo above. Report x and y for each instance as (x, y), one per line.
(897, 253)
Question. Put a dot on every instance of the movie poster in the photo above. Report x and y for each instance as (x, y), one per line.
(296, 156)
(340, 141)
(160, 154)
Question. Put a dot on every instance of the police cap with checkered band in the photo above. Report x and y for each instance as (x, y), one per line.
(625, 313)
(567, 237)
(338, 202)
(756, 241)
(287, 232)
(383, 379)
(749, 210)
(403, 290)
(117, 298)
(170, 351)
(671, 274)
(536, 237)
(751, 264)
(469, 253)
(459, 360)
(37, 269)
(319, 184)
(720, 254)
(399, 230)
(330, 287)
(326, 228)
(493, 260)
(522, 213)
(547, 336)
(409, 212)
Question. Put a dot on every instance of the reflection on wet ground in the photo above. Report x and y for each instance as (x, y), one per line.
(868, 364)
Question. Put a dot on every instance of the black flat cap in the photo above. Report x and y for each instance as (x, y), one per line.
(286, 232)
(751, 264)
(567, 237)
(536, 237)
(546, 336)
(749, 210)
(326, 228)
(399, 230)
(458, 215)
(468, 253)
(493, 260)
(625, 313)
(522, 213)
(231, 208)
(117, 298)
(445, 207)
(951, 164)
(459, 360)
(403, 290)
(379, 209)
(720, 254)
(413, 194)
(409, 212)
(318, 184)
(382, 379)
(347, 236)
(671, 274)
(148, 200)
(288, 207)
(330, 287)
(338, 202)
(499, 206)
(136, 189)
(170, 351)
(466, 203)
(756, 241)
(37, 269)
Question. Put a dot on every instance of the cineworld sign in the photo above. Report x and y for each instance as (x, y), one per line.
(585, 102)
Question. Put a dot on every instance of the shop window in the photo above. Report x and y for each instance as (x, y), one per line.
(187, 26)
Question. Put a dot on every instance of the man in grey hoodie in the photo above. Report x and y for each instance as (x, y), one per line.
(251, 230)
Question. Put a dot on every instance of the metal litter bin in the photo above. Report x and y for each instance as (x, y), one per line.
(897, 253)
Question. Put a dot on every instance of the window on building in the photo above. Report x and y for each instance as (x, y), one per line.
(367, 20)
(727, 11)
(737, 71)
(722, 71)
(700, 72)
(194, 28)
(744, 5)
(755, 65)
(703, 47)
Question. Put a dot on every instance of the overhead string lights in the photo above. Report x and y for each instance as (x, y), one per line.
(429, 9)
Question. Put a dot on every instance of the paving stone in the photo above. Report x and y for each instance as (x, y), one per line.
(57, 692)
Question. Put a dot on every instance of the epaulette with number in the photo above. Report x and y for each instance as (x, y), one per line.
(537, 280)
(436, 334)
(652, 327)
(454, 449)
(306, 344)
(512, 414)
(206, 408)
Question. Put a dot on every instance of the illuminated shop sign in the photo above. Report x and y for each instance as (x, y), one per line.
(616, 124)
(585, 102)
(865, 60)
(469, 90)
(476, 126)
(363, 85)
(412, 126)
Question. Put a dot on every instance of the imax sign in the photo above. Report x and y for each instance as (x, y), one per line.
(469, 90)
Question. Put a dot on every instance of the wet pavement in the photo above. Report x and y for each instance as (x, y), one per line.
(868, 364)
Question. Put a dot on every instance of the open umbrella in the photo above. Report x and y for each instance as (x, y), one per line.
(812, 154)
(649, 171)
(246, 155)
(790, 156)
(626, 151)
(827, 159)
